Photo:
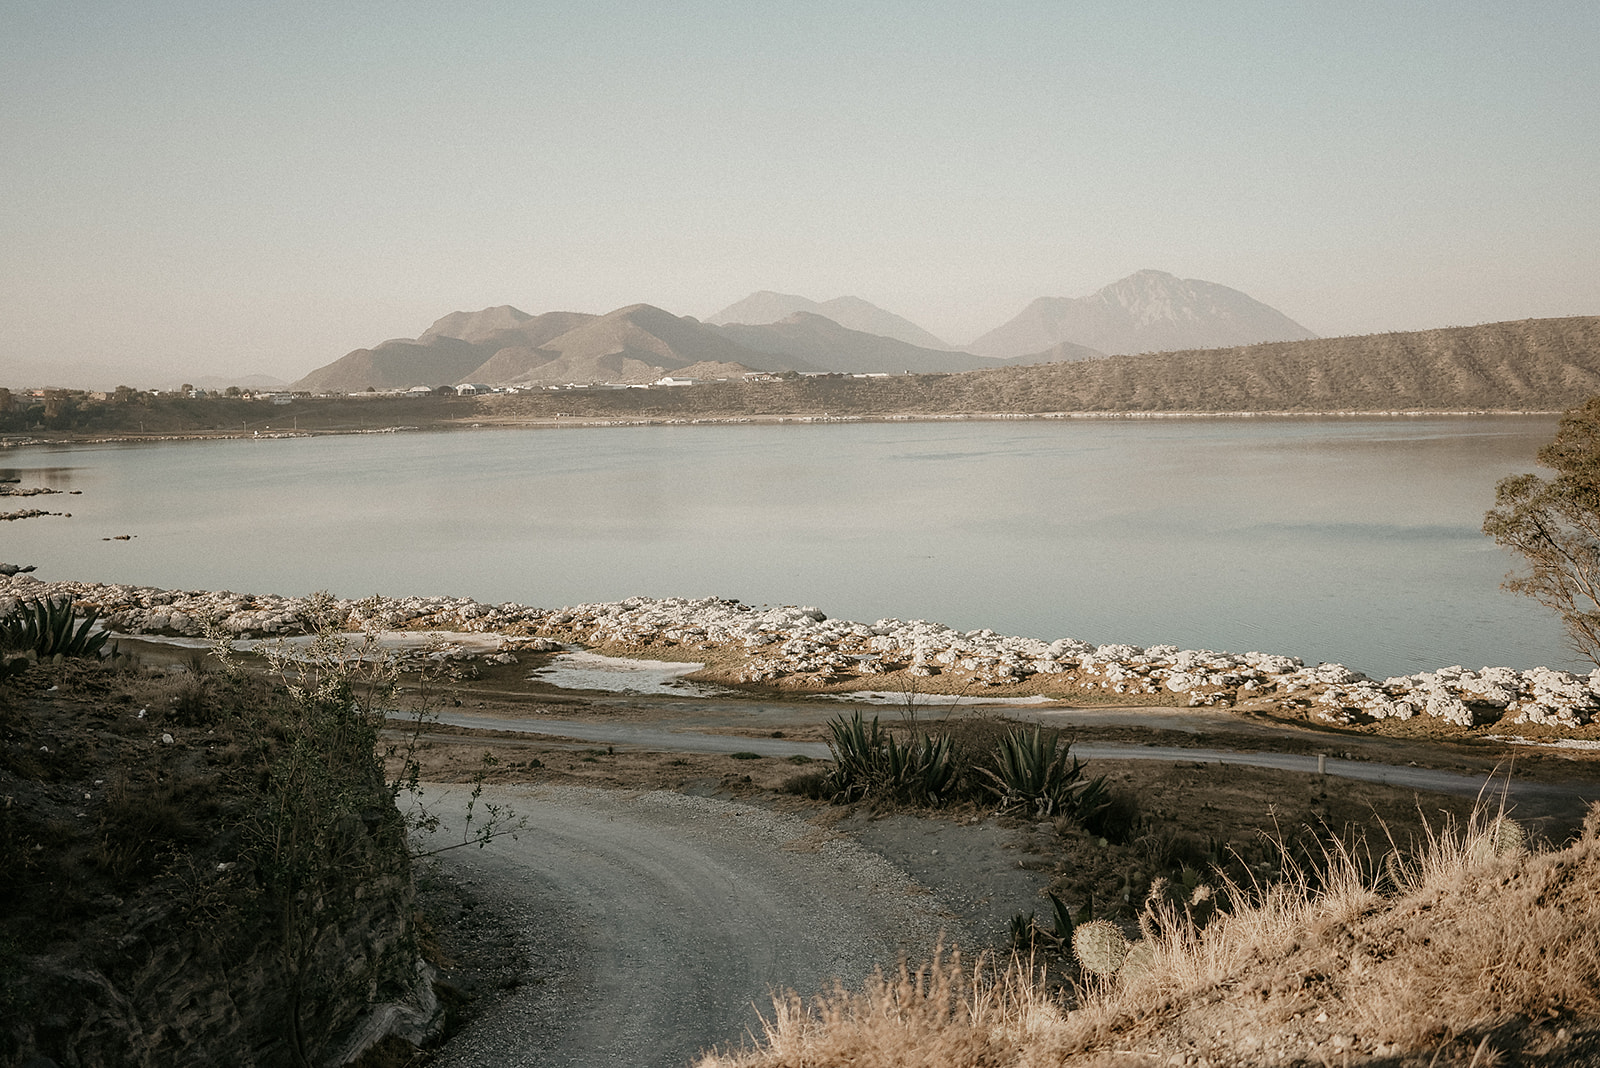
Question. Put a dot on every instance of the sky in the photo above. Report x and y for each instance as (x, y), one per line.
(212, 187)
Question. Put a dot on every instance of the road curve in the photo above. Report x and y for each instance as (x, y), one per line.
(658, 924)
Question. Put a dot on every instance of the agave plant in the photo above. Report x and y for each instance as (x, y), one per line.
(1023, 934)
(856, 749)
(48, 627)
(1034, 771)
(869, 761)
(1063, 920)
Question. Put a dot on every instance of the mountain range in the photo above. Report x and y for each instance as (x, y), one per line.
(780, 332)
(638, 344)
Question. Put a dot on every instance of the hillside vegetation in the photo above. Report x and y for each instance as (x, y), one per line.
(198, 868)
(1526, 365)
(1471, 951)
(1531, 364)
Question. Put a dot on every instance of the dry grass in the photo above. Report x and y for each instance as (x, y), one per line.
(1449, 955)
(942, 1014)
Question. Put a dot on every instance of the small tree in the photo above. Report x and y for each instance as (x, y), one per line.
(1555, 525)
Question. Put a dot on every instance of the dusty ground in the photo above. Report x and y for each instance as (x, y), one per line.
(1180, 814)
(983, 869)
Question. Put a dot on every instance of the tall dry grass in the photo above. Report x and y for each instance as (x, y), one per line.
(1436, 955)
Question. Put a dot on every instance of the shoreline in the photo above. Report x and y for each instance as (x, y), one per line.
(492, 422)
(799, 651)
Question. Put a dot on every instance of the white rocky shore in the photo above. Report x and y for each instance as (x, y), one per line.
(802, 649)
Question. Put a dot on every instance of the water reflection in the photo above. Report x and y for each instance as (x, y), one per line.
(1330, 539)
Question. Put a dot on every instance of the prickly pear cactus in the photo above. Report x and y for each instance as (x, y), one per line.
(1100, 947)
(1139, 961)
(1503, 837)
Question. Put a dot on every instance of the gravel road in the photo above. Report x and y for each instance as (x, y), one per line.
(658, 924)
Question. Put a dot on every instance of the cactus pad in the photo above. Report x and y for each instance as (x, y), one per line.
(1100, 947)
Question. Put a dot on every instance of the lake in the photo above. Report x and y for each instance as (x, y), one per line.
(1334, 539)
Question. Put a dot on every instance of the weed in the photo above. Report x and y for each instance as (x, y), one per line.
(812, 784)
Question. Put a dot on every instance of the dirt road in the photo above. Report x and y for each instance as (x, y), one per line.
(657, 924)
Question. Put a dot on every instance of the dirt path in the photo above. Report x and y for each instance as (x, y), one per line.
(657, 924)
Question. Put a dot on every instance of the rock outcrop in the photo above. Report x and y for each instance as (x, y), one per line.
(800, 648)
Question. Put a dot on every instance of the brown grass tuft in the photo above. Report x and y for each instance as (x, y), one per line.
(1450, 955)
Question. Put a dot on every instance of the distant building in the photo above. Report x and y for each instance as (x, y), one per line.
(669, 380)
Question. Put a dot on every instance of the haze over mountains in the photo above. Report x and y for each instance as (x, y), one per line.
(777, 332)
(851, 312)
(1148, 311)
(633, 345)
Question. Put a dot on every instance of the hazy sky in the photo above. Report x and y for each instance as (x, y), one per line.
(221, 187)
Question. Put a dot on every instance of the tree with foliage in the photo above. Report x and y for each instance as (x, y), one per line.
(1554, 524)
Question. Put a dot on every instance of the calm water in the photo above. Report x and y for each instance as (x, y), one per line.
(1331, 539)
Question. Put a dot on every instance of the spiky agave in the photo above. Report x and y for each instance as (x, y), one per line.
(869, 761)
(49, 627)
(1034, 770)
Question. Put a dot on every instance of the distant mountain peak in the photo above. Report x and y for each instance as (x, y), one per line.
(765, 306)
(1148, 311)
(476, 326)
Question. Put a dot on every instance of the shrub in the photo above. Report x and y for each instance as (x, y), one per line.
(811, 784)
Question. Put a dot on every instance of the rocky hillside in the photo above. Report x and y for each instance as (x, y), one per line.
(637, 344)
(1149, 311)
(1526, 365)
